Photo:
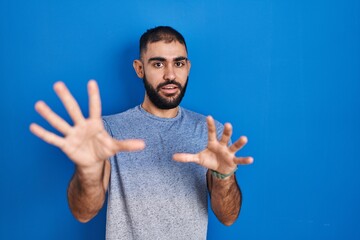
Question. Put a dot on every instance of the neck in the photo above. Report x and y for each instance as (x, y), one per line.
(162, 113)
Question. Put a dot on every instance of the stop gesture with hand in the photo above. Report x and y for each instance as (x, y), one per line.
(86, 143)
(218, 156)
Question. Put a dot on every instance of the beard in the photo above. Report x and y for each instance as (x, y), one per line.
(164, 102)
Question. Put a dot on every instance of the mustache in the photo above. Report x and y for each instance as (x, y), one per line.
(169, 82)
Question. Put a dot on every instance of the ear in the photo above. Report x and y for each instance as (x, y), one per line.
(139, 68)
(189, 65)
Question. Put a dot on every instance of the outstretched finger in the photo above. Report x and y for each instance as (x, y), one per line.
(244, 160)
(226, 134)
(94, 99)
(46, 136)
(72, 107)
(238, 144)
(186, 157)
(129, 145)
(57, 122)
(211, 129)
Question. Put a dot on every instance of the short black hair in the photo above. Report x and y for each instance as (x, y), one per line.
(160, 33)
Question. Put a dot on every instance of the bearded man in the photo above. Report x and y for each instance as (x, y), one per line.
(157, 161)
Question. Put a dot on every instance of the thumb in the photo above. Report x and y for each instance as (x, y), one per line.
(130, 145)
(186, 157)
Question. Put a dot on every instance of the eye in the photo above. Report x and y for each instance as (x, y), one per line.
(179, 64)
(158, 64)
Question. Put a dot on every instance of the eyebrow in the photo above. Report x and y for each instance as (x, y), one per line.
(180, 59)
(162, 59)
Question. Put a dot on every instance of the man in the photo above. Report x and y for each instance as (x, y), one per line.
(157, 160)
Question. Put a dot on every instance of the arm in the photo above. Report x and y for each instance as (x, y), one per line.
(218, 156)
(87, 144)
(225, 198)
(87, 190)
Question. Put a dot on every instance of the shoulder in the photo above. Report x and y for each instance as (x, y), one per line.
(191, 115)
(113, 122)
(199, 118)
(123, 116)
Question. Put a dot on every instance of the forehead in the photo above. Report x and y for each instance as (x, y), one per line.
(168, 50)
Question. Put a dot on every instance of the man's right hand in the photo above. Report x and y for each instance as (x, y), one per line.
(86, 143)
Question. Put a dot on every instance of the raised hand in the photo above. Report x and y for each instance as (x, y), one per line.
(218, 156)
(86, 143)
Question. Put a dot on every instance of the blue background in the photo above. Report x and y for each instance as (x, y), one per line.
(284, 73)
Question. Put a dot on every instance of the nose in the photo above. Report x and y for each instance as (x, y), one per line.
(169, 73)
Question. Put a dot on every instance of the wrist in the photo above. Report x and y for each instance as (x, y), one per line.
(223, 176)
(90, 174)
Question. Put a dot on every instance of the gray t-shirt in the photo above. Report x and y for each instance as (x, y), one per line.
(150, 195)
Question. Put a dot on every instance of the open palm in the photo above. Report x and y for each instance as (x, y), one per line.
(86, 143)
(218, 156)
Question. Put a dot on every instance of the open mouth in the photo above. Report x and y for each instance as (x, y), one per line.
(169, 89)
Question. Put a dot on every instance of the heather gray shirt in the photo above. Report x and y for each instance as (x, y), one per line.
(150, 195)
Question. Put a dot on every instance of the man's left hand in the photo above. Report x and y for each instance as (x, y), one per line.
(218, 156)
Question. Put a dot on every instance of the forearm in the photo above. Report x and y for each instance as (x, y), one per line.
(86, 192)
(225, 198)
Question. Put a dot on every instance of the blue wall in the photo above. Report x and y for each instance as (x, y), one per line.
(285, 73)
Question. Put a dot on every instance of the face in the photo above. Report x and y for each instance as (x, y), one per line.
(171, 99)
(164, 68)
